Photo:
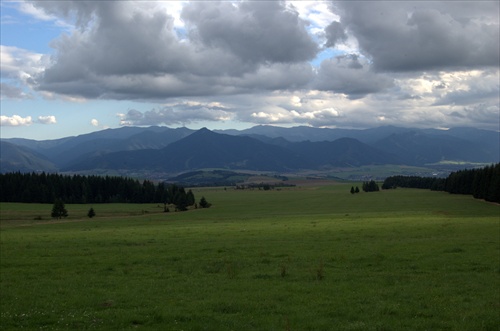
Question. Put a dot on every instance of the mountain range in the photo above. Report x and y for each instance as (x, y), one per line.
(261, 148)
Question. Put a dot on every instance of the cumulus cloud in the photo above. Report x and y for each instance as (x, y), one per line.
(347, 75)
(15, 120)
(344, 63)
(20, 64)
(334, 34)
(47, 119)
(94, 122)
(123, 51)
(410, 35)
(280, 116)
(8, 91)
(175, 114)
(255, 31)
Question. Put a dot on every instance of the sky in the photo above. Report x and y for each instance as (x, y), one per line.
(74, 67)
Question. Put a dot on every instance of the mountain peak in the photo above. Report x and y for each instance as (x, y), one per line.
(204, 130)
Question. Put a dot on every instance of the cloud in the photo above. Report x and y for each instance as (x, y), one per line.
(123, 51)
(47, 119)
(347, 75)
(15, 120)
(20, 64)
(8, 91)
(468, 87)
(411, 35)
(334, 33)
(282, 116)
(313, 108)
(30, 9)
(345, 63)
(254, 31)
(94, 122)
(180, 113)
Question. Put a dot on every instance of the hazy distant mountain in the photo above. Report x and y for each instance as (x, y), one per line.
(412, 146)
(491, 139)
(304, 133)
(343, 152)
(202, 149)
(18, 158)
(207, 149)
(418, 148)
(70, 150)
(260, 147)
(295, 134)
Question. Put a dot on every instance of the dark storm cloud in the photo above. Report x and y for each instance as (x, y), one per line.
(254, 31)
(486, 114)
(406, 36)
(345, 74)
(122, 52)
(334, 33)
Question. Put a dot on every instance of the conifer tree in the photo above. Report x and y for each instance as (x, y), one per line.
(204, 203)
(58, 210)
(91, 213)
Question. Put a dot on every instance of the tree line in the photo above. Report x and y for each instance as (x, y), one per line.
(48, 188)
(483, 183)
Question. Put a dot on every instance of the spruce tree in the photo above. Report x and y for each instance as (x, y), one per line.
(204, 203)
(58, 210)
(91, 213)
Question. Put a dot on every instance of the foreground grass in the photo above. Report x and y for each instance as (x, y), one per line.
(310, 258)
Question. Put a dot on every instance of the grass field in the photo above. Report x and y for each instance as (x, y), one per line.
(302, 258)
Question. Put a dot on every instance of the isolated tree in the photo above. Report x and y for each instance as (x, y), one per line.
(91, 213)
(58, 210)
(356, 190)
(352, 189)
(204, 203)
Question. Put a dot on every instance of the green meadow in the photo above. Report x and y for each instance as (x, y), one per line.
(311, 257)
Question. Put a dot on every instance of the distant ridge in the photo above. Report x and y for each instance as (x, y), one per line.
(263, 147)
(18, 158)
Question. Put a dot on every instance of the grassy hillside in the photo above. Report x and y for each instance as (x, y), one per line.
(302, 258)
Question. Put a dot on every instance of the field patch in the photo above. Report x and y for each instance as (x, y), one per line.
(294, 259)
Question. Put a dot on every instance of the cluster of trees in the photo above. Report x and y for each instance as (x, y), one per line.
(481, 183)
(59, 210)
(432, 183)
(354, 190)
(262, 186)
(49, 188)
(370, 186)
